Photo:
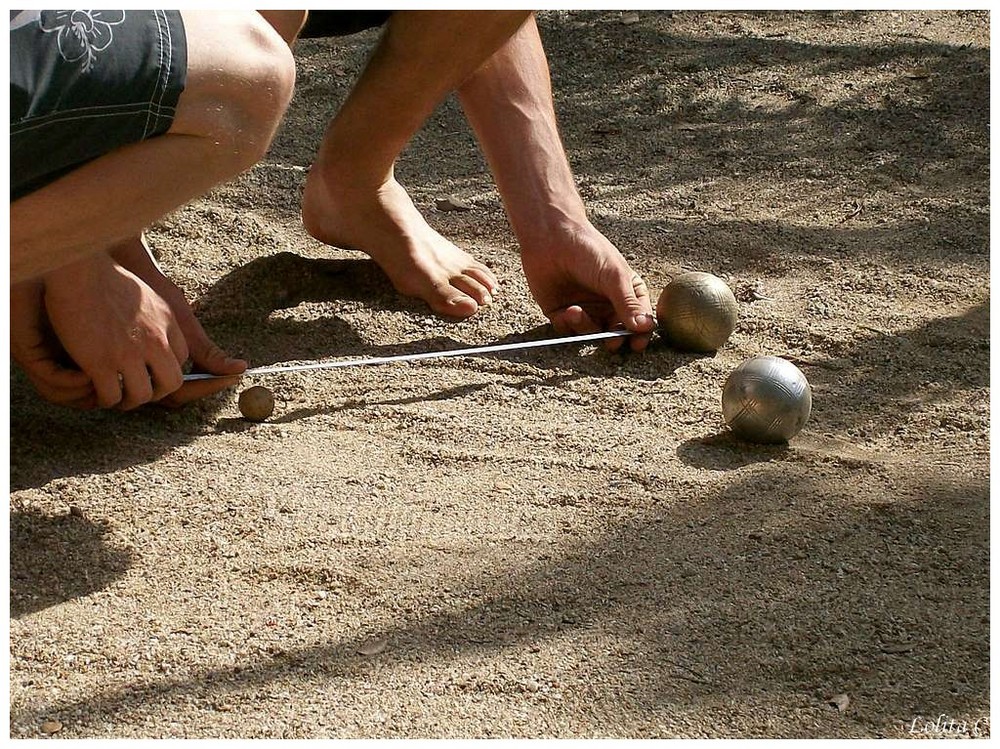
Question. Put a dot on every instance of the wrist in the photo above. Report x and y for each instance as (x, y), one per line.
(77, 273)
(555, 227)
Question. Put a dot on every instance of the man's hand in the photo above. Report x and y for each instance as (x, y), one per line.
(117, 330)
(113, 331)
(584, 285)
(38, 352)
(206, 356)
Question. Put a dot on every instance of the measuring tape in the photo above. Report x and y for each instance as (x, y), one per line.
(277, 368)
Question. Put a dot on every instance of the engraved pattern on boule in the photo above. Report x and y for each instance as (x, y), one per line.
(697, 311)
(766, 399)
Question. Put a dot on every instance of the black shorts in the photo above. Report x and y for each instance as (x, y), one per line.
(85, 82)
(342, 22)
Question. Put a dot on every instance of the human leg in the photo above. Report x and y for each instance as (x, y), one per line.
(288, 23)
(79, 235)
(580, 280)
(352, 198)
(239, 81)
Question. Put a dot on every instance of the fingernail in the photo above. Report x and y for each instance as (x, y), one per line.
(641, 321)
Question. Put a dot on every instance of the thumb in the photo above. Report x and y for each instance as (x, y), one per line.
(208, 357)
(632, 304)
(206, 354)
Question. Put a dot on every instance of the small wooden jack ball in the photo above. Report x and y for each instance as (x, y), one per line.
(256, 403)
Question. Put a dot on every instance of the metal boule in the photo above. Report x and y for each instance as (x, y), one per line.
(766, 399)
(697, 311)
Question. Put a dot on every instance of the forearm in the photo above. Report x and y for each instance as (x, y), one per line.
(107, 201)
(508, 102)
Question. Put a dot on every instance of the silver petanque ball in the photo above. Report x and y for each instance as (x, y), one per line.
(697, 312)
(766, 399)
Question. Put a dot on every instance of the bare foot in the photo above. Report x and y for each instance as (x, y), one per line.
(384, 223)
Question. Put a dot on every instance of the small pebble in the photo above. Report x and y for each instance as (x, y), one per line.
(51, 726)
(373, 647)
(840, 701)
(451, 203)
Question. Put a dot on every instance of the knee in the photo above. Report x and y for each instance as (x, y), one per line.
(241, 76)
(263, 91)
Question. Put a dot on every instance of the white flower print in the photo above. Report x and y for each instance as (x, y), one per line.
(81, 34)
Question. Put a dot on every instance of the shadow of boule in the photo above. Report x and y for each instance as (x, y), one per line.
(724, 451)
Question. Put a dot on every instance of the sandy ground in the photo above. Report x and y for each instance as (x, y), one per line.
(561, 542)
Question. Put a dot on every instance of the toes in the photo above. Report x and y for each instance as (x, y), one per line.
(484, 276)
(461, 295)
(451, 302)
(474, 288)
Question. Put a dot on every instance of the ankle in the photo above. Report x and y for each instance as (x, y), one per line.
(342, 176)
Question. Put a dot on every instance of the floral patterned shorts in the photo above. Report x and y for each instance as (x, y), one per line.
(85, 82)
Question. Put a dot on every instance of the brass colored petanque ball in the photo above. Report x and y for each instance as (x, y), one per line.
(766, 399)
(697, 312)
(256, 403)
